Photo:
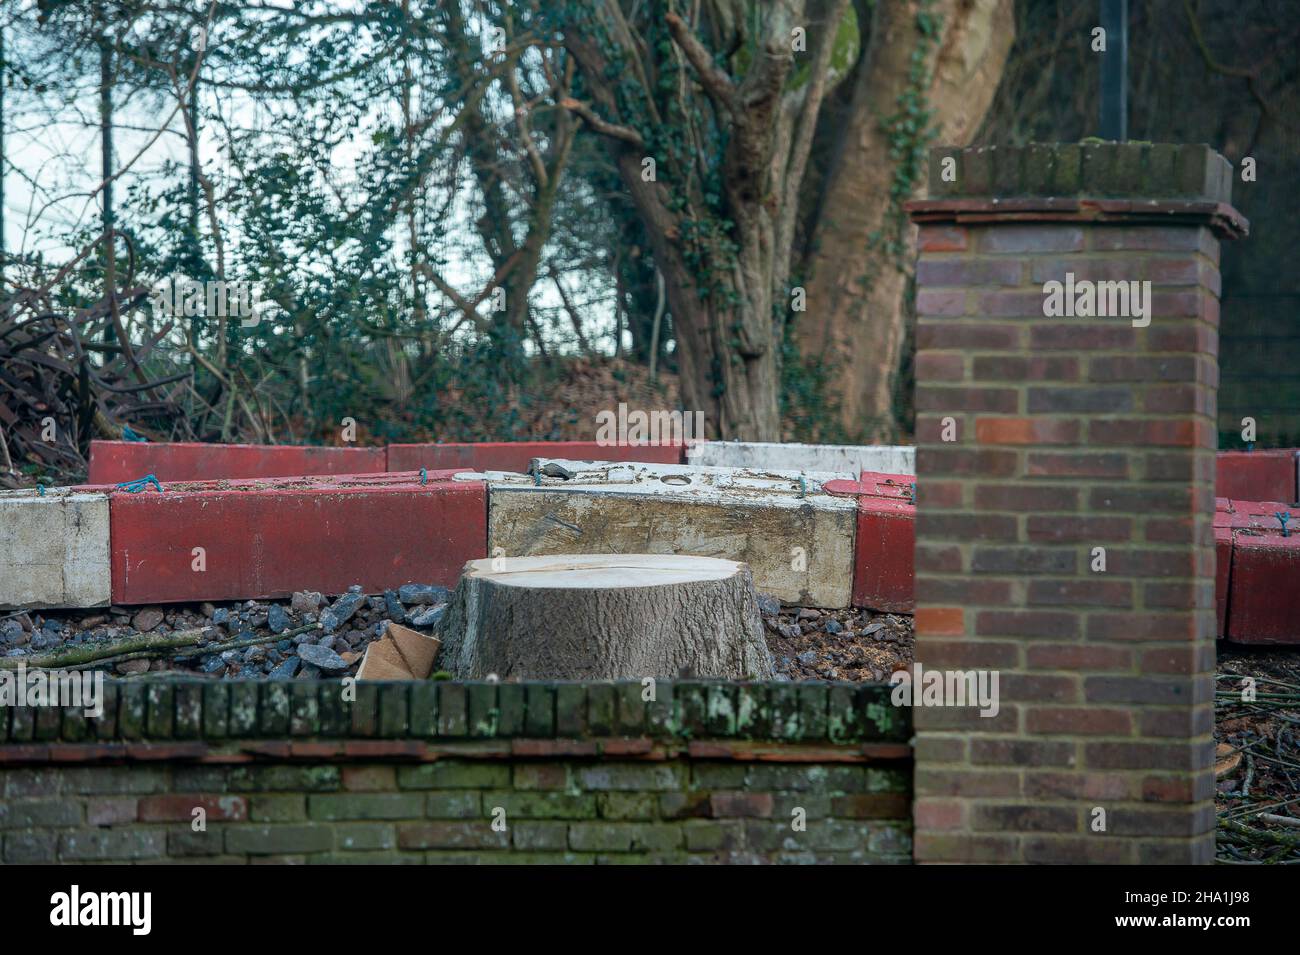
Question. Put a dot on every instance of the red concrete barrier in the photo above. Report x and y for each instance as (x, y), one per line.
(1264, 607)
(270, 537)
(1256, 475)
(1222, 561)
(1260, 517)
(1264, 585)
(112, 462)
(515, 455)
(886, 534)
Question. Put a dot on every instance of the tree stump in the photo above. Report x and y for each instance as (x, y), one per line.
(604, 617)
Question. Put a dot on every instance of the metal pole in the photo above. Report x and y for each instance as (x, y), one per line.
(1114, 71)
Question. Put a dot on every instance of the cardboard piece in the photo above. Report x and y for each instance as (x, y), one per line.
(400, 654)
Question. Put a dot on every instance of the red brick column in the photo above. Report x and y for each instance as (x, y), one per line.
(1069, 441)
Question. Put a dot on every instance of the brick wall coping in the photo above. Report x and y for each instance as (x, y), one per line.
(426, 716)
(1096, 181)
(1225, 220)
(1109, 170)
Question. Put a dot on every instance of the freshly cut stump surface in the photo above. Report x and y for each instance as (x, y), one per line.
(604, 617)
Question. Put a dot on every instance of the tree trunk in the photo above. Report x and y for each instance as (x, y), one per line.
(605, 617)
(719, 225)
(859, 259)
(728, 353)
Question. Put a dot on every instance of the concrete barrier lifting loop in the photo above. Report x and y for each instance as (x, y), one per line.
(139, 484)
(536, 468)
(1282, 518)
(129, 435)
(40, 489)
(803, 487)
(424, 476)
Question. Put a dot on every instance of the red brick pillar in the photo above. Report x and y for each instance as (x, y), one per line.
(1050, 442)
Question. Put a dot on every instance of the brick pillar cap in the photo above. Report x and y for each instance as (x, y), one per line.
(1095, 181)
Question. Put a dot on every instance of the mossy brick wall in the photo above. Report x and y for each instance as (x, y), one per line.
(1073, 438)
(417, 772)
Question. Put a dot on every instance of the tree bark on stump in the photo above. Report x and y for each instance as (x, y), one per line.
(604, 617)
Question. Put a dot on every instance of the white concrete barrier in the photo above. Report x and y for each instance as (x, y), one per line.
(54, 549)
(797, 539)
(885, 459)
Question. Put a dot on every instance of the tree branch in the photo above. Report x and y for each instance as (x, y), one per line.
(574, 317)
(634, 46)
(625, 133)
(803, 138)
(715, 82)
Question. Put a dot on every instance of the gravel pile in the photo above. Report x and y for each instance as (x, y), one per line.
(342, 629)
(806, 644)
(858, 646)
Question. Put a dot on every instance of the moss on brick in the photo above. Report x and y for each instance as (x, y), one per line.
(243, 708)
(570, 709)
(275, 778)
(394, 710)
(534, 835)
(454, 774)
(1132, 170)
(365, 837)
(364, 709)
(539, 805)
(336, 806)
(720, 718)
(304, 710)
(278, 839)
(274, 715)
(189, 711)
(602, 703)
(423, 715)
(483, 711)
(539, 718)
(511, 709)
(621, 805)
(631, 709)
(625, 836)
(289, 807)
(456, 804)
